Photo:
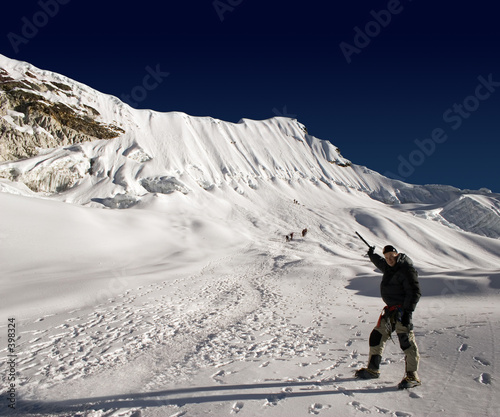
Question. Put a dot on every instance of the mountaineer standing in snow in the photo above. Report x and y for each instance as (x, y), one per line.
(400, 291)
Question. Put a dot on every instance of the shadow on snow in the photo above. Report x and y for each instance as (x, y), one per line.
(171, 397)
(449, 283)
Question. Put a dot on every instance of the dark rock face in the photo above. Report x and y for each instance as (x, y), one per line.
(29, 121)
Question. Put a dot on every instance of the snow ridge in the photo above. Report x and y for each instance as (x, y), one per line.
(163, 153)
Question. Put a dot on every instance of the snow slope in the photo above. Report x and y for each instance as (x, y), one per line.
(165, 287)
(175, 152)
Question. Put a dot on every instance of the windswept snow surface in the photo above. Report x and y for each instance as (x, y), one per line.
(161, 311)
(166, 288)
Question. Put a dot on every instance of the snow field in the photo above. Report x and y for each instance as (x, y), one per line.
(261, 327)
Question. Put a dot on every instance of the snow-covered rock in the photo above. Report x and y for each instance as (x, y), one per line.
(40, 110)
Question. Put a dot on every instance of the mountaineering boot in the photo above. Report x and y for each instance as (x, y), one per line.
(367, 373)
(409, 381)
(371, 372)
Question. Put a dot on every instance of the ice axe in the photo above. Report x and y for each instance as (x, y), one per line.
(366, 243)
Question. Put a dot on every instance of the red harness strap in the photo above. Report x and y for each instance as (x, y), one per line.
(387, 311)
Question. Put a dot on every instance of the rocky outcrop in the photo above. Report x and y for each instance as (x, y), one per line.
(30, 121)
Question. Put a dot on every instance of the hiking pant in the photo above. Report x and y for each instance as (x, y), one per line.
(386, 325)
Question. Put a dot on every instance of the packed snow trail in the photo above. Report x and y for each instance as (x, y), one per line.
(255, 331)
(265, 327)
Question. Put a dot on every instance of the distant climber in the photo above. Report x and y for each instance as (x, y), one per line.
(304, 232)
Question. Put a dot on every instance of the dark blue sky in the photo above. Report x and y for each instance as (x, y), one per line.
(409, 88)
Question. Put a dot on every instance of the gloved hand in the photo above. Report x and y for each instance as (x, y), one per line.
(371, 250)
(406, 319)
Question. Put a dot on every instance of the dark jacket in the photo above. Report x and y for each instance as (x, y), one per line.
(399, 284)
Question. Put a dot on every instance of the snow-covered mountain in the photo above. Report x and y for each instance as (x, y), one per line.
(144, 263)
(62, 139)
